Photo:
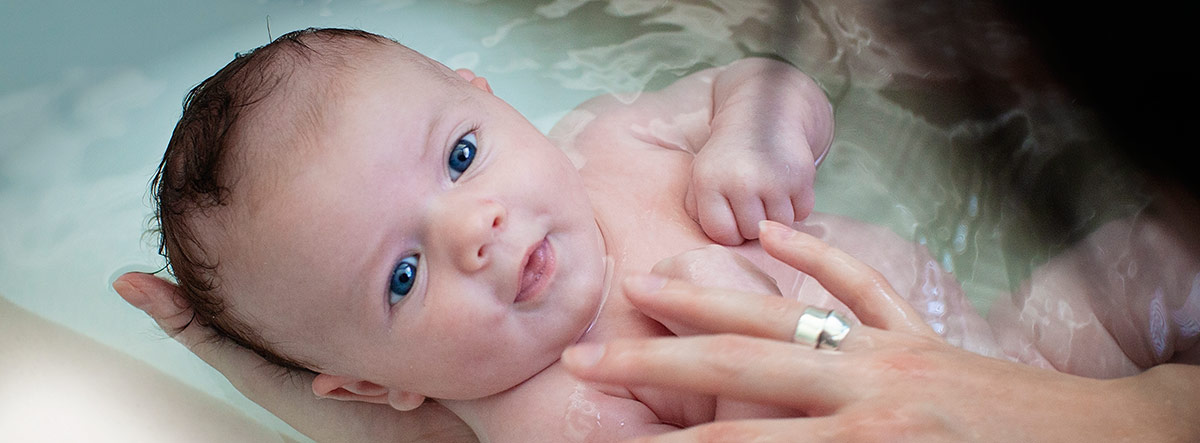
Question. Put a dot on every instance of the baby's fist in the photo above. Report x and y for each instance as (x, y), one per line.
(734, 188)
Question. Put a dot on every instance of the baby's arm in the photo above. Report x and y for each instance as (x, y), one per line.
(770, 123)
(755, 126)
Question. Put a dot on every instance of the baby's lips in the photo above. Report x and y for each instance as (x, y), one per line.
(537, 267)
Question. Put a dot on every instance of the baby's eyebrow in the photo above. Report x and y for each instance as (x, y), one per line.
(366, 277)
(423, 145)
(442, 120)
(431, 133)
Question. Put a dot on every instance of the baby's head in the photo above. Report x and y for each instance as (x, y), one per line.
(340, 203)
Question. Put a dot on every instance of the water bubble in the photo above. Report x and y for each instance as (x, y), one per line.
(938, 327)
(936, 308)
(947, 262)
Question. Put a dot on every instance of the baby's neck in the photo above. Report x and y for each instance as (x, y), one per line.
(609, 268)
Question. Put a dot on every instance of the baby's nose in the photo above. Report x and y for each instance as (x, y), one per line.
(473, 231)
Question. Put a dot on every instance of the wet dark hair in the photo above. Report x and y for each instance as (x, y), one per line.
(195, 175)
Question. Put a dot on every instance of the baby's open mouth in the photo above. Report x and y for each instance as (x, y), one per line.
(535, 275)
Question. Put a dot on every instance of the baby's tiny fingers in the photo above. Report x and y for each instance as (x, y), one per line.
(803, 203)
(717, 219)
(748, 211)
(779, 209)
(689, 204)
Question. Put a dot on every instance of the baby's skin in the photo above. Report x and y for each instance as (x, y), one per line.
(414, 237)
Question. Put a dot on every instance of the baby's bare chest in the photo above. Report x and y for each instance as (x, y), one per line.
(639, 193)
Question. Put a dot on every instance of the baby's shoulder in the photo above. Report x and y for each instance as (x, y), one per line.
(633, 122)
(596, 118)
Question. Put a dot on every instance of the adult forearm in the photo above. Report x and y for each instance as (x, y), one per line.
(1165, 402)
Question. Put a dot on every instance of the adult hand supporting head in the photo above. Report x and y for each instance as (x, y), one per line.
(891, 379)
(287, 394)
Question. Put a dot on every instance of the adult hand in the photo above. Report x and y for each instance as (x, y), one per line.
(892, 379)
(287, 394)
(714, 266)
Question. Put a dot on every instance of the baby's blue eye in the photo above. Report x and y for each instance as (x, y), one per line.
(403, 279)
(462, 156)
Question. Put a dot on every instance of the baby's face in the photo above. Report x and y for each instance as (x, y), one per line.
(426, 238)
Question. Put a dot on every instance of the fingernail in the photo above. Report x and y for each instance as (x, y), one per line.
(645, 283)
(129, 292)
(767, 227)
(583, 355)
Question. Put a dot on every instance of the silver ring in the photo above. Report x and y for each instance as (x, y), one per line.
(821, 328)
(836, 328)
(810, 326)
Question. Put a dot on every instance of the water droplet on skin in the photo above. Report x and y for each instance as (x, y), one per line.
(582, 416)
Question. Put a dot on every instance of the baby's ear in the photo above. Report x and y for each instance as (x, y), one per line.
(474, 80)
(351, 389)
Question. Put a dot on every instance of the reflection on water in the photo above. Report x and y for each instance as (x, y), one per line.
(950, 131)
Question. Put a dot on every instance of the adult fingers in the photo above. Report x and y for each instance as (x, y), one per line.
(794, 430)
(161, 300)
(245, 369)
(733, 366)
(713, 310)
(724, 311)
(287, 394)
(863, 289)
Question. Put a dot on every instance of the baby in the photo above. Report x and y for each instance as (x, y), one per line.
(342, 204)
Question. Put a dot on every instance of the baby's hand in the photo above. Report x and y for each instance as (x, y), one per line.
(743, 175)
(717, 267)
